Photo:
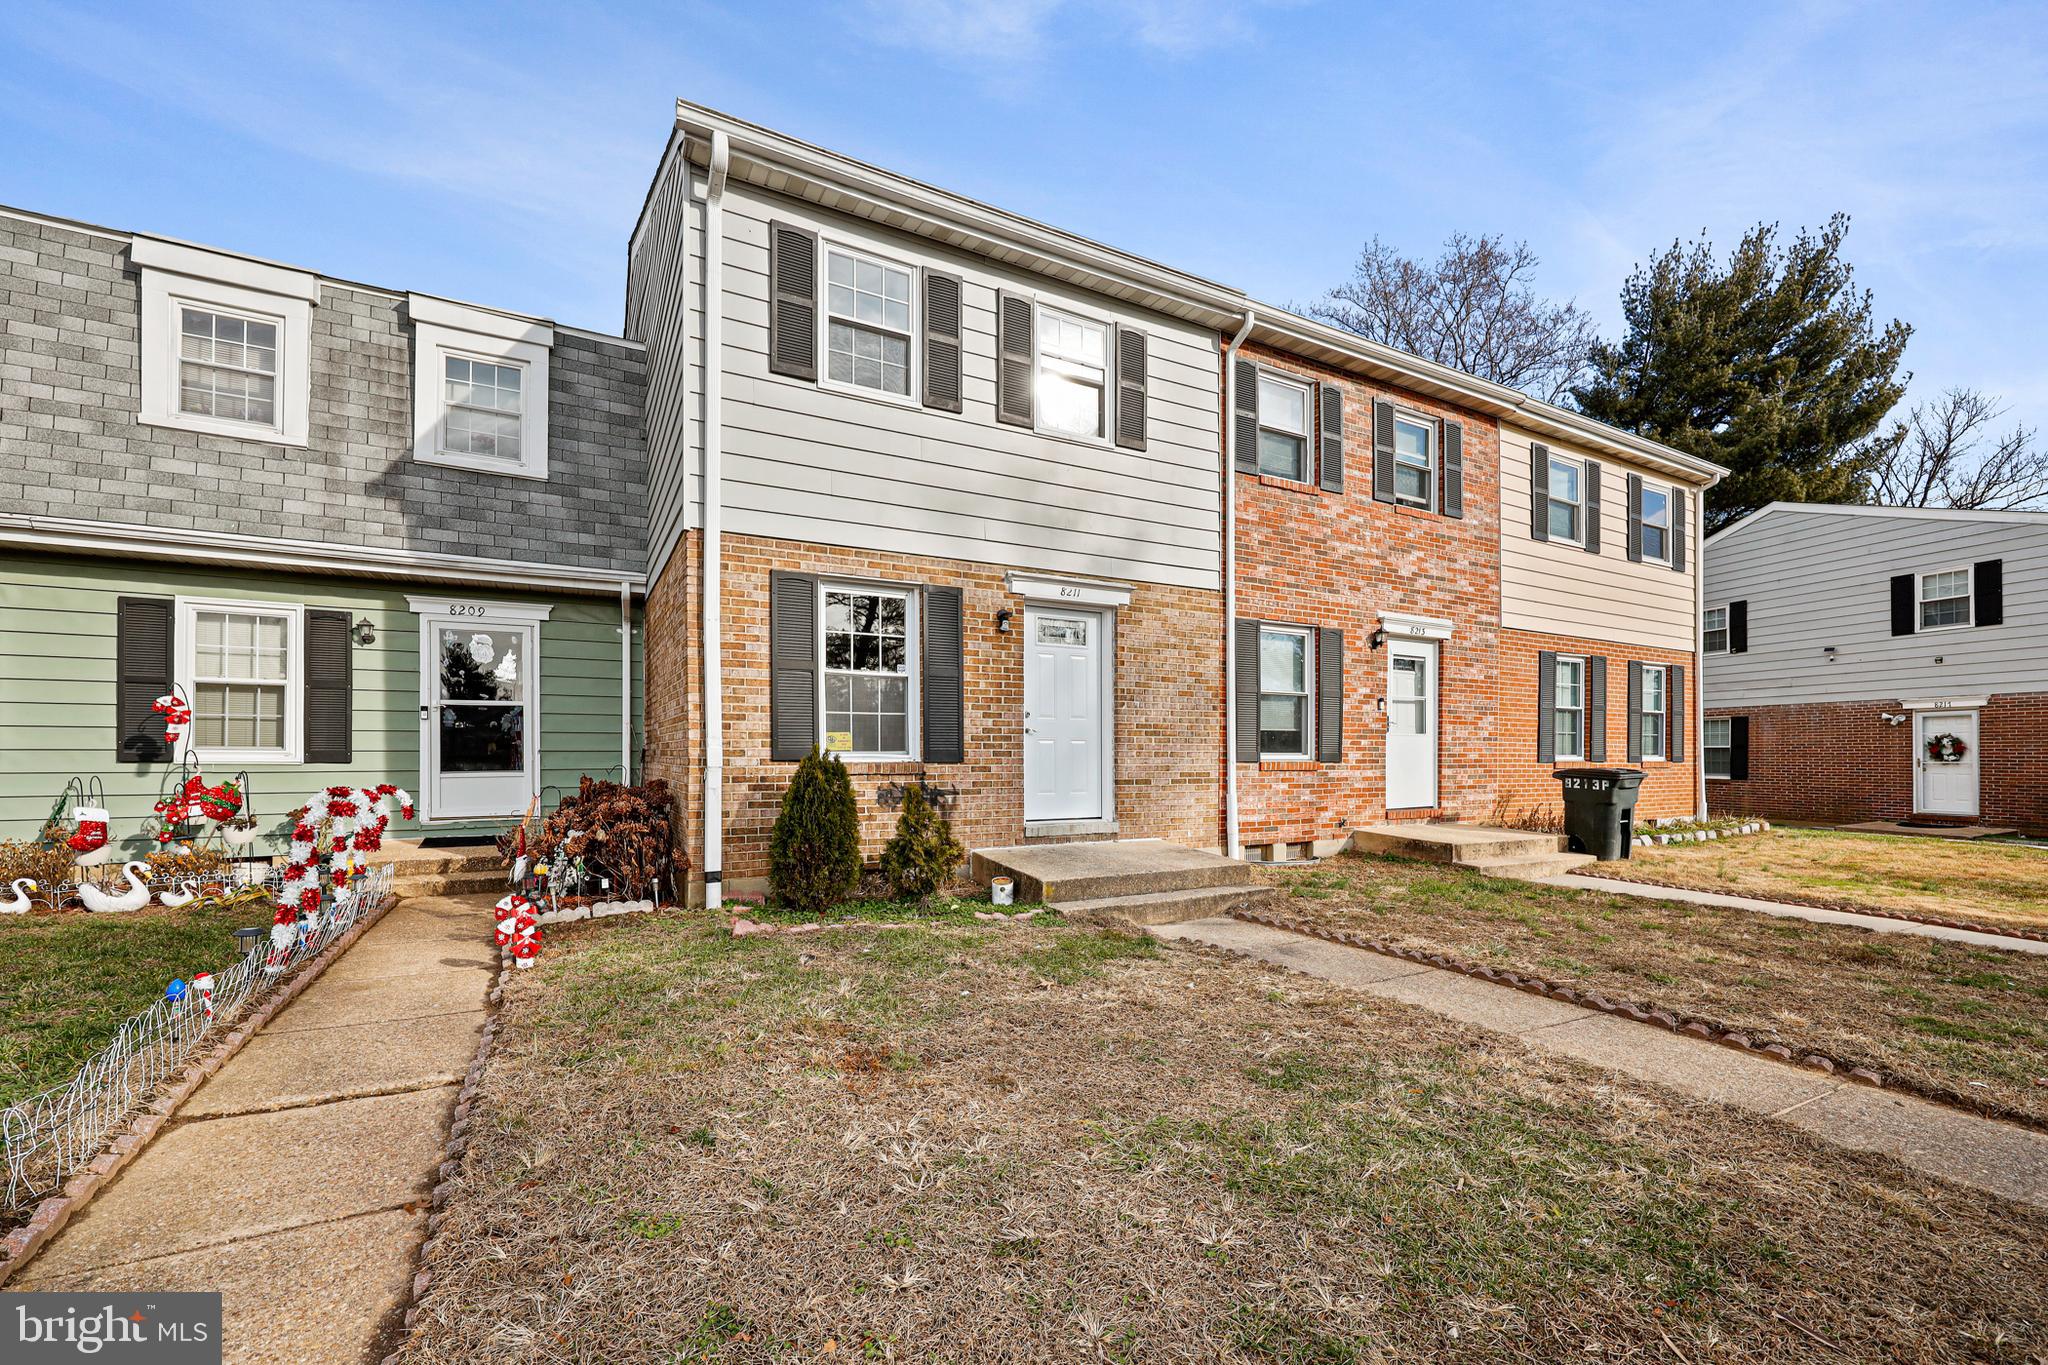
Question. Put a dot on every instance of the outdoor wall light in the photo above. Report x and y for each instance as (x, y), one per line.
(1003, 621)
(1379, 637)
(365, 632)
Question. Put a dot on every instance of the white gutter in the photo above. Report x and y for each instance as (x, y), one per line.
(1699, 648)
(1229, 469)
(626, 681)
(714, 435)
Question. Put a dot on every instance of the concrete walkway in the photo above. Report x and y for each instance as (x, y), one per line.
(1883, 924)
(296, 1180)
(2000, 1157)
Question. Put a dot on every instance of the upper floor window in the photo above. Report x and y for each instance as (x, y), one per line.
(484, 406)
(867, 337)
(1654, 708)
(1283, 427)
(1567, 499)
(239, 663)
(1414, 461)
(1945, 599)
(1283, 692)
(1073, 391)
(1569, 715)
(1657, 523)
(869, 654)
(1714, 628)
(225, 343)
(227, 366)
(480, 388)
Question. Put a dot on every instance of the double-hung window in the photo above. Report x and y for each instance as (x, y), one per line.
(1283, 427)
(485, 401)
(224, 343)
(1568, 717)
(1567, 499)
(239, 664)
(1714, 629)
(867, 335)
(227, 366)
(1657, 523)
(1414, 461)
(1944, 599)
(480, 388)
(1283, 692)
(1073, 389)
(1720, 745)
(869, 654)
(1655, 705)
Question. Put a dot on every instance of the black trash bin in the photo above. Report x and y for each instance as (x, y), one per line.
(1600, 810)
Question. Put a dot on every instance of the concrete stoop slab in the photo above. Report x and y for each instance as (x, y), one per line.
(1097, 870)
(1521, 854)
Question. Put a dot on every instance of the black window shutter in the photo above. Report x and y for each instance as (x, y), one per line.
(1678, 525)
(1987, 580)
(330, 688)
(1244, 420)
(1635, 518)
(1902, 604)
(942, 341)
(1329, 695)
(1247, 699)
(142, 672)
(1539, 491)
(1330, 401)
(1596, 709)
(793, 301)
(792, 665)
(1382, 450)
(1132, 355)
(1738, 627)
(1738, 748)
(1674, 714)
(1592, 536)
(1635, 712)
(1546, 706)
(1454, 469)
(1014, 358)
(945, 711)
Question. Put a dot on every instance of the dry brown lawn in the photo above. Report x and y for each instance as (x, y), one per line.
(1041, 1142)
(1956, 1020)
(1994, 883)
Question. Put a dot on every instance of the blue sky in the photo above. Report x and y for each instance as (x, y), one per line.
(499, 152)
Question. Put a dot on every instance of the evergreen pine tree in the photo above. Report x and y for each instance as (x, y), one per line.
(814, 851)
(923, 855)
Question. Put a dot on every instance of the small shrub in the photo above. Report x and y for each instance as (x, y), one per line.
(814, 851)
(923, 855)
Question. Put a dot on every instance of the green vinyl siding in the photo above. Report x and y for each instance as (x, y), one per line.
(57, 634)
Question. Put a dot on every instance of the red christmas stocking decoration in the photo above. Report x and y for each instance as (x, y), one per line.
(92, 829)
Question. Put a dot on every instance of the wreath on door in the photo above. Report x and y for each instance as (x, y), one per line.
(1946, 748)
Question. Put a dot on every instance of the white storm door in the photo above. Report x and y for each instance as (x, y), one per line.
(1411, 724)
(482, 731)
(1946, 788)
(1064, 712)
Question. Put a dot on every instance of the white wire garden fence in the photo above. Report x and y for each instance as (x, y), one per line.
(49, 1136)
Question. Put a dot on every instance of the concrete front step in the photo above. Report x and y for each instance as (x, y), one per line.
(1067, 873)
(466, 883)
(1166, 907)
(1532, 869)
(1464, 845)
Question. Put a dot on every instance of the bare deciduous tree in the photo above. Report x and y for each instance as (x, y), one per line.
(1944, 461)
(1471, 308)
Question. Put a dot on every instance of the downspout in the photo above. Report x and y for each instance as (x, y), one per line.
(1699, 650)
(714, 370)
(626, 679)
(1231, 847)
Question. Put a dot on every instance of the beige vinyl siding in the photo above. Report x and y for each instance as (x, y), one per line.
(1815, 578)
(664, 308)
(1561, 589)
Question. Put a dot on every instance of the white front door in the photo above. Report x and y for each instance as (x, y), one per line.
(1946, 786)
(1065, 692)
(481, 741)
(1411, 724)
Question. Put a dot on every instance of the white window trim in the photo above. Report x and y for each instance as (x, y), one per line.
(1039, 308)
(1435, 468)
(442, 329)
(913, 658)
(1707, 746)
(1308, 694)
(1663, 673)
(164, 295)
(1705, 629)
(1309, 432)
(1580, 520)
(1671, 533)
(914, 398)
(1969, 595)
(1578, 753)
(294, 682)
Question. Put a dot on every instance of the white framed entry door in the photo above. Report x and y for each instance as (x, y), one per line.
(479, 708)
(1067, 688)
(1945, 786)
(1411, 724)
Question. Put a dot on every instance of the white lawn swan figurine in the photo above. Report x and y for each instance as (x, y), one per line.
(20, 904)
(184, 895)
(134, 898)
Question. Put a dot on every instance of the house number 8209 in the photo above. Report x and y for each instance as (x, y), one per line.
(464, 609)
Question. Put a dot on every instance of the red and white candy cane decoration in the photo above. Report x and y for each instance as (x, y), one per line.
(507, 916)
(525, 938)
(203, 983)
(177, 717)
(355, 824)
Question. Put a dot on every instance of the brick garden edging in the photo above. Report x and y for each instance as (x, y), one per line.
(1845, 907)
(1689, 1026)
(21, 1245)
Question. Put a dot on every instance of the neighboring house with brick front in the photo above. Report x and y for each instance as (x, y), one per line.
(1879, 663)
(369, 535)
